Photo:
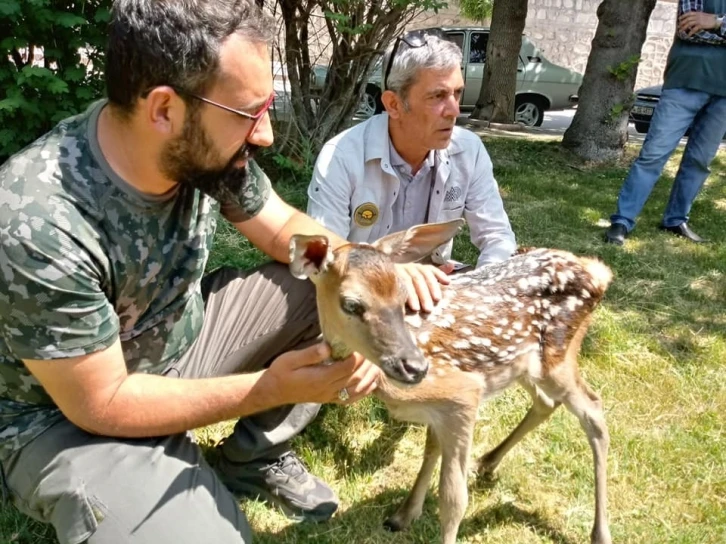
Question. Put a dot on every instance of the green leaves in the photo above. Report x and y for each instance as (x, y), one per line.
(9, 7)
(69, 20)
(44, 70)
(625, 69)
(478, 10)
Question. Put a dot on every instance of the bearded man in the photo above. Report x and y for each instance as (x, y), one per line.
(113, 344)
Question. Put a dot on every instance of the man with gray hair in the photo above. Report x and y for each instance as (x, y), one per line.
(412, 165)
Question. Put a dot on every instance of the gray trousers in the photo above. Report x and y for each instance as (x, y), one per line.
(161, 490)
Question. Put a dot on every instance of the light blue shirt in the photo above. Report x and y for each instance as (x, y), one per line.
(355, 187)
(409, 208)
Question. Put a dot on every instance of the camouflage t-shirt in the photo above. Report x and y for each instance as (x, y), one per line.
(85, 259)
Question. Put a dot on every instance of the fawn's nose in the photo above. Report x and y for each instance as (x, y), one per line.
(408, 369)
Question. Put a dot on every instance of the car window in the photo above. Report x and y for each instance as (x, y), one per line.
(457, 38)
(478, 47)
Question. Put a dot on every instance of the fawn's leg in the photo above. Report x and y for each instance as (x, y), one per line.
(455, 433)
(413, 505)
(542, 408)
(565, 385)
(582, 401)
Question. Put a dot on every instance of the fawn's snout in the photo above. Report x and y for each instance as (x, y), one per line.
(408, 368)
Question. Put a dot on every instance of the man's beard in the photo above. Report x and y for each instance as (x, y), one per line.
(185, 161)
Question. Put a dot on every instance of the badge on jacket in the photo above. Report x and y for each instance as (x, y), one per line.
(366, 214)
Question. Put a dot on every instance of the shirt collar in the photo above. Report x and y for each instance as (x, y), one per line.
(398, 161)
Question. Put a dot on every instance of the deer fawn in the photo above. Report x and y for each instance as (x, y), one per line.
(521, 320)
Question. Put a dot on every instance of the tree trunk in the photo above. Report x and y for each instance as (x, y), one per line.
(599, 129)
(499, 85)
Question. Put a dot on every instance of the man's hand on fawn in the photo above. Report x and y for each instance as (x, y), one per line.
(300, 377)
(423, 283)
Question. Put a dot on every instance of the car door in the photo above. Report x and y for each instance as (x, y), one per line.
(458, 37)
(474, 61)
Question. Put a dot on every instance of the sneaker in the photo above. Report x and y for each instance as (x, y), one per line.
(284, 482)
(616, 234)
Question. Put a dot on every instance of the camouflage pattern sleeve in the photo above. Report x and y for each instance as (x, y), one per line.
(52, 304)
(255, 193)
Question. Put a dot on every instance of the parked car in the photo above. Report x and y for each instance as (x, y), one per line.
(646, 100)
(541, 84)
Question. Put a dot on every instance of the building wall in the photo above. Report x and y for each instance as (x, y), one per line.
(564, 29)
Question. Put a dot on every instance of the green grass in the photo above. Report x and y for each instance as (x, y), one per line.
(656, 352)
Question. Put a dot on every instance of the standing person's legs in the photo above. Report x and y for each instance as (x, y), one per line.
(251, 317)
(708, 131)
(110, 491)
(674, 114)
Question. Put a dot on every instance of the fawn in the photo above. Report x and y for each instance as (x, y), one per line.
(521, 320)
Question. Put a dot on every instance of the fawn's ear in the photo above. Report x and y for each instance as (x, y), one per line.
(309, 255)
(417, 242)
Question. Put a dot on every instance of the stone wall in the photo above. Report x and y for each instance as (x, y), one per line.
(563, 30)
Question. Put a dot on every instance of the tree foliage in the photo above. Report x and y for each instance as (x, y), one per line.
(477, 10)
(351, 34)
(51, 64)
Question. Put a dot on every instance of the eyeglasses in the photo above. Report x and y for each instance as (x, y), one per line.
(413, 39)
(257, 117)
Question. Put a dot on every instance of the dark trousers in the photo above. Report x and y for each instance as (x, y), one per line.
(161, 490)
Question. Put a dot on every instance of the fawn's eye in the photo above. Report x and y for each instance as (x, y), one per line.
(352, 306)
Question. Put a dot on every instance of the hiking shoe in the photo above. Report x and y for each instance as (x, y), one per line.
(284, 482)
(616, 234)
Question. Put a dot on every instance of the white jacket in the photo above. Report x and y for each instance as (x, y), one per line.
(354, 186)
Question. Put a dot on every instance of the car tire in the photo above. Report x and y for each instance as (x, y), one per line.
(641, 128)
(529, 110)
(370, 102)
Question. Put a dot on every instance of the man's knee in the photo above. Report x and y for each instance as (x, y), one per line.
(103, 490)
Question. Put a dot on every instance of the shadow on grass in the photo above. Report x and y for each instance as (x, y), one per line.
(367, 517)
(327, 433)
(510, 514)
(677, 287)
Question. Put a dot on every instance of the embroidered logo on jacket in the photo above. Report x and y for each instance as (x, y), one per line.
(453, 194)
(366, 214)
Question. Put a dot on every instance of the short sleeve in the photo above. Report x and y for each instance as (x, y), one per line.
(52, 303)
(251, 198)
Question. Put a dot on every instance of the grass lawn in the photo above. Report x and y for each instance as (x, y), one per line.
(656, 352)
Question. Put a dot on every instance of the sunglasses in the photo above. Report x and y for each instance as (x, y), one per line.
(413, 39)
(256, 117)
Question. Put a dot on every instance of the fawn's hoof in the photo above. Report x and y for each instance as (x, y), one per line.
(394, 525)
(487, 467)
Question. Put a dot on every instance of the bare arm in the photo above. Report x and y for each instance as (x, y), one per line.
(271, 229)
(96, 393)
